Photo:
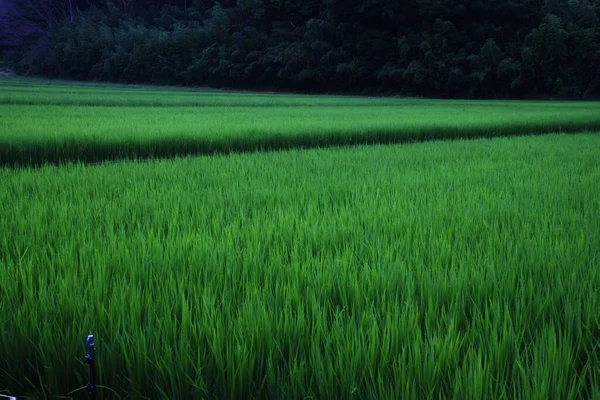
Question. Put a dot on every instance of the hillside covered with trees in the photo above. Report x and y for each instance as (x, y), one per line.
(438, 48)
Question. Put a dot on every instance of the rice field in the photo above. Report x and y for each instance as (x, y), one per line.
(432, 269)
(463, 269)
(60, 123)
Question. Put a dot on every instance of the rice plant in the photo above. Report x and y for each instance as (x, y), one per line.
(464, 269)
(57, 123)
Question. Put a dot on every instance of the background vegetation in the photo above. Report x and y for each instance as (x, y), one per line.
(465, 269)
(439, 48)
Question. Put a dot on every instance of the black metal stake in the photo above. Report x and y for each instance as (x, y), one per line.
(89, 359)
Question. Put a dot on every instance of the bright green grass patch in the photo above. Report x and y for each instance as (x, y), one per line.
(466, 269)
(30, 92)
(60, 123)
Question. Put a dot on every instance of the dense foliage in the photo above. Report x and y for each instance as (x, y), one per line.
(441, 48)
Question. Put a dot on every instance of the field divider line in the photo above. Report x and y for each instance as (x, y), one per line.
(38, 154)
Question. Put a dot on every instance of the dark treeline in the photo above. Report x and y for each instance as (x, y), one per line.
(440, 48)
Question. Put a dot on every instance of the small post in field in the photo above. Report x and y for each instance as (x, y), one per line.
(89, 359)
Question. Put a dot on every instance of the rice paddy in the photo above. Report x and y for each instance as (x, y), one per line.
(442, 269)
(60, 123)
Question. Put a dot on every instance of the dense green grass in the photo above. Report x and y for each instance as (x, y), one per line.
(58, 123)
(465, 269)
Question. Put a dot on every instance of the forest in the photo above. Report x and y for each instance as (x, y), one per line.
(433, 48)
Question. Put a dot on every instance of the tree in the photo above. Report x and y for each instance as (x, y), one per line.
(29, 24)
(440, 48)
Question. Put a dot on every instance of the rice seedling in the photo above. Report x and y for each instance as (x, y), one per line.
(464, 269)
